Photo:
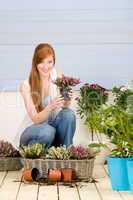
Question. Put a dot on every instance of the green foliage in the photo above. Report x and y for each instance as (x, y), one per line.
(92, 96)
(118, 126)
(115, 121)
(124, 152)
(97, 146)
(32, 151)
(7, 150)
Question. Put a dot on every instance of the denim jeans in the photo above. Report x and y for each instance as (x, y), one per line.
(59, 131)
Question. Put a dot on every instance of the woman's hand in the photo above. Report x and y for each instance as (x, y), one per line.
(73, 95)
(57, 102)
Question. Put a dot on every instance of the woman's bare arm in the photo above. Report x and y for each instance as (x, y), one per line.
(30, 107)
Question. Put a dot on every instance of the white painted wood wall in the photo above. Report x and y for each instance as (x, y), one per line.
(92, 39)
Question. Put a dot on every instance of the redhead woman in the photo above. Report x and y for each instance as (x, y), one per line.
(49, 119)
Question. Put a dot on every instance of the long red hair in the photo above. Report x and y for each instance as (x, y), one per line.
(41, 52)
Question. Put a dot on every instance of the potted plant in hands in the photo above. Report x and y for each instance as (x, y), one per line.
(118, 126)
(9, 157)
(65, 85)
(92, 96)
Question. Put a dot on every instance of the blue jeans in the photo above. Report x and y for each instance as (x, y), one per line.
(58, 132)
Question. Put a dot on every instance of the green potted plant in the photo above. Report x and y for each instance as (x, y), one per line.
(32, 154)
(32, 151)
(117, 125)
(9, 157)
(58, 153)
(65, 84)
(92, 96)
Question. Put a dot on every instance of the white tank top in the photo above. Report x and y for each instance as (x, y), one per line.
(27, 121)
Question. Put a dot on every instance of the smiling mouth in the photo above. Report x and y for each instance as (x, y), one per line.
(45, 71)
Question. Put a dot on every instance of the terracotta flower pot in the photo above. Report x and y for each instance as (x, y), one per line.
(27, 175)
(54, 174)
(31, 175)
(67, 174)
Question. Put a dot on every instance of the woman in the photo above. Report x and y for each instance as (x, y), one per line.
(52, 122)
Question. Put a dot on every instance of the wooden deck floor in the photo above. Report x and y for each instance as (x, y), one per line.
(12, 188)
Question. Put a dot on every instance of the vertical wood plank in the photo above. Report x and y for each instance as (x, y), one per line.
(68, 192)
(10, 186)
(48, 192)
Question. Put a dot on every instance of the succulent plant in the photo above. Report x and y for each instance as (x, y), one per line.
(80, 152)
(60, 153)
(7, 150)
(32, 150)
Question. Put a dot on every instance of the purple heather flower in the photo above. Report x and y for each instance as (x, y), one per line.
(78, 152)
(66, 81)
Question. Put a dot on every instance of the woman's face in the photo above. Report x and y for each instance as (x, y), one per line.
(46, 66)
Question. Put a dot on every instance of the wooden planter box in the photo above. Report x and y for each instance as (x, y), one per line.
(82, 169)
(10, 164)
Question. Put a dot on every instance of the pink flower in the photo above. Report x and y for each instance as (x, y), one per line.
(94, 86)
(66, 81)
(78, 152)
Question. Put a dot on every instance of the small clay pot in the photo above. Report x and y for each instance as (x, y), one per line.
(31, 175)
(54, 174)
(26, 173)
(66, 174)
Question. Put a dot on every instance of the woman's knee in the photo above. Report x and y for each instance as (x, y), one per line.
(47, 134)
(68, 115)
(27, 135)
(41, 133)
